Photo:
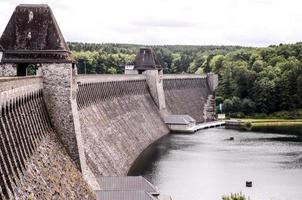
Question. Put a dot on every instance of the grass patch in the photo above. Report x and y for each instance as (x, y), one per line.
(255, 124)
(252, 120)
(290, 126)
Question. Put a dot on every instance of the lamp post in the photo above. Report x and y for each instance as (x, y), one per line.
(1, 53)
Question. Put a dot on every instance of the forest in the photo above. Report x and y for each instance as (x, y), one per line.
(251, 80)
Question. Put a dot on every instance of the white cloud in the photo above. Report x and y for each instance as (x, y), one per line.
(227, 22)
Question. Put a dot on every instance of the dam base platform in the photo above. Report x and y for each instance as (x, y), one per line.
(200, 126)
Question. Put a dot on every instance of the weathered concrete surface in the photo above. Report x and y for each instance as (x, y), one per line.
(86, 172)
(51, 174)
(119, 119)
(23, 122)
(186, 95)
(10, 83)
(33, 163)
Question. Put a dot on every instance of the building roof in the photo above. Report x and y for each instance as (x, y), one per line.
(179, 119)
(127, 183)
(124, 195)
(32, 35)
(146, 60)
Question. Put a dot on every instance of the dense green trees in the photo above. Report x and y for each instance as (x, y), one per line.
(265, 79)
(99, 58)
(100, 62)
(262, 80)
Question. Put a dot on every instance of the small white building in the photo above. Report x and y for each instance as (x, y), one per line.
(180, 123)
(221, 116)
(129, 69)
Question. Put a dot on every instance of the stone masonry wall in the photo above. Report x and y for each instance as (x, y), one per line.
(59, 93)
(33, 163)
(186, 94)
(8, 69)
(119, 119)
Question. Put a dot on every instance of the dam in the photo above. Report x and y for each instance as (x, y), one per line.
(60, 131)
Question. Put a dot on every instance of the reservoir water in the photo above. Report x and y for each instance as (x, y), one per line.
(207, 165)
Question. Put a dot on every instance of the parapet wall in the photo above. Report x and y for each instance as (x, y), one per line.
(119, 119)
(7, 84)
(186, 94)
(33, 163)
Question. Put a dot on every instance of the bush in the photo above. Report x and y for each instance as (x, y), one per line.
(233, 105)
(237, 115)
(294, 114)
(236, 196)
(248, 125)
(259, 116)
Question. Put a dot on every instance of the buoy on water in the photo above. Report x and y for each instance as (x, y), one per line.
(249, 184)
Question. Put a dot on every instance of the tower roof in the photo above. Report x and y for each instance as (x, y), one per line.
(32, 35)
(146, 60)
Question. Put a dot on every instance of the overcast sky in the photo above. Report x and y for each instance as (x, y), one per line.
(198, 22)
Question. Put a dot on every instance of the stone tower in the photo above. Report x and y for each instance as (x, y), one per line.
(147, 63)
(146, 60)
(33, 37)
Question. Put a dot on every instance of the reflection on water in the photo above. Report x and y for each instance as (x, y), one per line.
(207, 165)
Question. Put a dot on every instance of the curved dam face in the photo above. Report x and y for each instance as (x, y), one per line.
(33, 162)
(119, 119)
(115, 118)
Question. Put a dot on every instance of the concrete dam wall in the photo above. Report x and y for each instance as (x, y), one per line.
(119, 119)
(186, 94)
(33, 162)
